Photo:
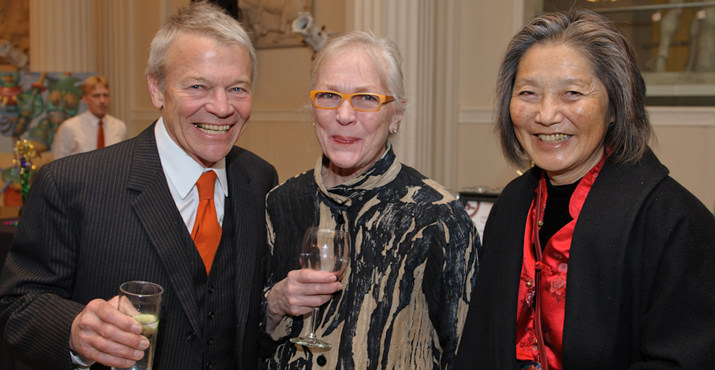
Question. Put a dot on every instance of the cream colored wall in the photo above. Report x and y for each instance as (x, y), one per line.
(689, 153)
(685, 139)
(486, 28)
(280, 128)
(146, 19)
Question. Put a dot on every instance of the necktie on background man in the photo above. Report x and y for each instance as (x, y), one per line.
(100, 135)
(207, 231)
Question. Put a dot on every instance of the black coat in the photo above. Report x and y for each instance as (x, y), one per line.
(641, 280)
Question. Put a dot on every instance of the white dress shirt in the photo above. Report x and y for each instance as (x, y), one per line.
(78, 134)
(182, 172)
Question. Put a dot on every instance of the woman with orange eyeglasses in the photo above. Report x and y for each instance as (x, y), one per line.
(403, 299)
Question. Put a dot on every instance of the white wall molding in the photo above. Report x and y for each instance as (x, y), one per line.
(682, 116)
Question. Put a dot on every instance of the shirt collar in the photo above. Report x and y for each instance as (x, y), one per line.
(92, 118)
(180, 169)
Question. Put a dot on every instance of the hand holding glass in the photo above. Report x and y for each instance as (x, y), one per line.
(142, 301)
(323, 250)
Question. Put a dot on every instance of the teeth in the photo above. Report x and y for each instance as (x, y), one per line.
(555, 138)
(212, 129)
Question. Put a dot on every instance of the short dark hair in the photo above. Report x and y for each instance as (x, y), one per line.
(614, 64)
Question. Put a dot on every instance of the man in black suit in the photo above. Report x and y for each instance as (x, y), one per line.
(126, 212)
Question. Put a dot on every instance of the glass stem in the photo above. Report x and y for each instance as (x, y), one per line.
(315, 322)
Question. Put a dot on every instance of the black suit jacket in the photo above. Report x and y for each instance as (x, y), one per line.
(94, 220)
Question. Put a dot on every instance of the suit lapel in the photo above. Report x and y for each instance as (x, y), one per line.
(598, 261)
(156, 211)
(247, 212)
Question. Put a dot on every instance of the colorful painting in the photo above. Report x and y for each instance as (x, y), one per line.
(32, 107)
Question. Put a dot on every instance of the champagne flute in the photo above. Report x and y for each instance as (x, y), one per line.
(323, 250)
(142, 301)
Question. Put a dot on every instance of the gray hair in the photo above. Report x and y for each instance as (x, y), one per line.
(383, 53)
(202, 18)
(614, 64)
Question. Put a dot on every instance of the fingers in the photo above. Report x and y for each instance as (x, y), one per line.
(301, 291)
(101, 333)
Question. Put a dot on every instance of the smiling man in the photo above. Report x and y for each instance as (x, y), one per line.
(134, 211)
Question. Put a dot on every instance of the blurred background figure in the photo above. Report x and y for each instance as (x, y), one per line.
(595, 258)
(93, 129)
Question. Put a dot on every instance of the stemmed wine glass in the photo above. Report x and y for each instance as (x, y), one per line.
(323, 250)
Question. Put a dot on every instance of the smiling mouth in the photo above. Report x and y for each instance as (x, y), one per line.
(554, 138)
(345, 140)
(212, 129)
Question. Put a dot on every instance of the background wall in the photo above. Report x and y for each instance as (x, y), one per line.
(280, 129)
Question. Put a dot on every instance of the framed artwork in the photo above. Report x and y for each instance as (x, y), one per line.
(478, 203)
(674, 41)
(270, 22)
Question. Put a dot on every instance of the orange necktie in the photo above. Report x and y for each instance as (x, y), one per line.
(207, 231)
(100, 136)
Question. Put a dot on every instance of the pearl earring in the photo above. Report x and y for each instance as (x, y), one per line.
(395, 131)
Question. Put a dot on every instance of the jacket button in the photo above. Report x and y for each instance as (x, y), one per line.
(212, 315)
(209, 365)
(210, 341)
(190, 336)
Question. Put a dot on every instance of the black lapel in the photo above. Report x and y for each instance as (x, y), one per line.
(598, 255)
(247, 215)
(157, 213)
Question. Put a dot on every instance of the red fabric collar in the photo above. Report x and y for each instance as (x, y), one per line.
(553, 268)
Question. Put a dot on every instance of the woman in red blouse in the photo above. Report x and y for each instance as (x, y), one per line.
(594, 258)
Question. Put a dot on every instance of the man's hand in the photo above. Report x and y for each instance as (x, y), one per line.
(103, 334)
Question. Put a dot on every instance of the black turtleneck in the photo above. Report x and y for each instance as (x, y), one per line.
(556, 214)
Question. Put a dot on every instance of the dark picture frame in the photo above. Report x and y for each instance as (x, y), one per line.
(478, 204)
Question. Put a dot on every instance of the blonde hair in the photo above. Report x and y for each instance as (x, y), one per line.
(91, 82)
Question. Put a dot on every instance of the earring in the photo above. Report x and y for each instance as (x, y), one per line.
(313, 124)
(395, 130)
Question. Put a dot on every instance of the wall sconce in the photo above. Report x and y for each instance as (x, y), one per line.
(304, 26)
